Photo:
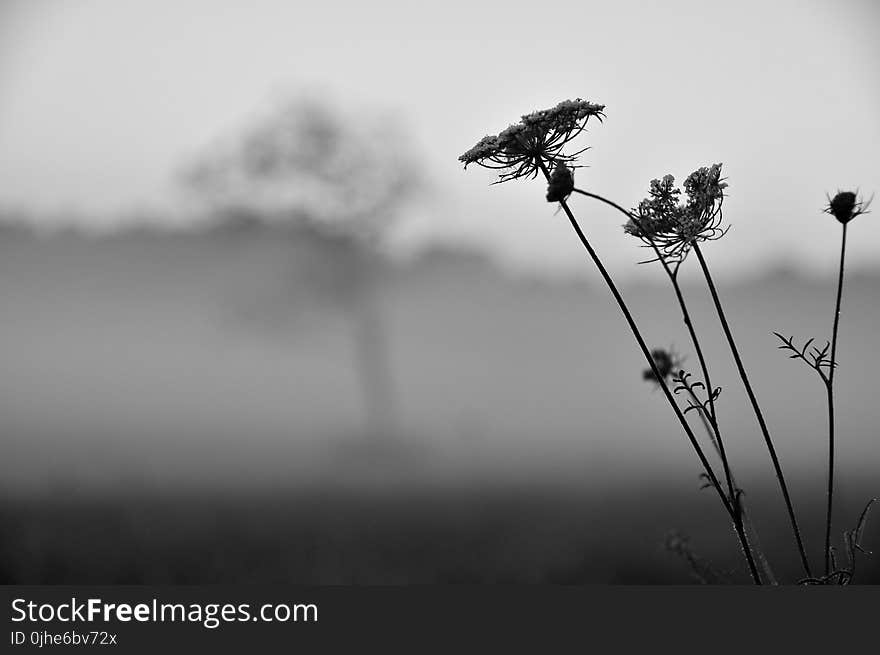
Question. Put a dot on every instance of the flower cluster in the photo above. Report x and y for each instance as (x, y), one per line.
(663, 222)
(659, 212)
(537, 140)
(846, 205)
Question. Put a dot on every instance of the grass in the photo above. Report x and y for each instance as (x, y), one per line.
(494, 532)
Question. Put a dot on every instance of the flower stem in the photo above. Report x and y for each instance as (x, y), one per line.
(756, 407)
(647, 354)
(711, 419)
(829, 384)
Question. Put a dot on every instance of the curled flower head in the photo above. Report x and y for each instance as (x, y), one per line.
(537, 140)
(846, 205)
(667, 363)
(663, 221)
(704, 187)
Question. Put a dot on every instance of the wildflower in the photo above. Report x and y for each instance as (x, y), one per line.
(658, 213)
(561, 183)
(661, 220)
(667, 363)
(845, 206)
(537, 140)
(485, 147)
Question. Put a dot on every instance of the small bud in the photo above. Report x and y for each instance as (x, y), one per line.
(561, 183)
(666, 361)
(844, 206)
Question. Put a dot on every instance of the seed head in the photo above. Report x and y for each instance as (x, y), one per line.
(846, 205)
(536, 140)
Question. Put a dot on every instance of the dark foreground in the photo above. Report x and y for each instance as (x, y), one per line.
(493, 533)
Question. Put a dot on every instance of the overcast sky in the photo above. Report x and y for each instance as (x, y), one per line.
(102, 101)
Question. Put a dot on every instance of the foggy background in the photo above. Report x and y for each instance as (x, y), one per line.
(258, 325)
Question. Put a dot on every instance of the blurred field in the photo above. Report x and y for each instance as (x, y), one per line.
(467, 533)
(187, 407)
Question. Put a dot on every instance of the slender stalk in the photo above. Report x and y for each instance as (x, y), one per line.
(748, 527)
(756, 407)
(704, 419)
(661, 381)
(672, 274)
(710, 422)
(829, 384)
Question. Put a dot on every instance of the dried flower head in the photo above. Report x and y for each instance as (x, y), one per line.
(667, 363)
(561, 183)
(846, 205)
(538, 139)
(661, 220)
(657, 213)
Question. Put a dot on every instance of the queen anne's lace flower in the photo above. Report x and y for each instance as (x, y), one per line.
(662, 221)
(538, 139)
(486, 147)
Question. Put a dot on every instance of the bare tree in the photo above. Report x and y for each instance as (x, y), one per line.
(348, 180)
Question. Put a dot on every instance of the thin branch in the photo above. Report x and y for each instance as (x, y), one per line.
(830, 394)
(646, 352)
(672, 274)
(757, 409)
